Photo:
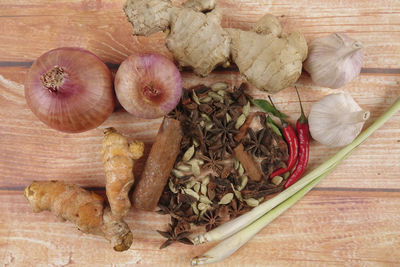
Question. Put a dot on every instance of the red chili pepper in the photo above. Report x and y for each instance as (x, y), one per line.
(304, 140)
(293, 142)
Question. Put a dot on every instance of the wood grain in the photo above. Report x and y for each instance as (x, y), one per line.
(101, 27)
(351, 218)
(76, 158)
(325, 228)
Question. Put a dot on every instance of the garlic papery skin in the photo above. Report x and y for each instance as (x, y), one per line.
(336, 120)
(334, 60)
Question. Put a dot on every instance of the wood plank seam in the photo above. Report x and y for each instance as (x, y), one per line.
(115, 66)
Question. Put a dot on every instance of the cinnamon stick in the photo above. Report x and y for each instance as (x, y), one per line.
(158, 166)
(251, 167)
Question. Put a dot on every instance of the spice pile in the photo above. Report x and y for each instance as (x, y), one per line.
(223, 166)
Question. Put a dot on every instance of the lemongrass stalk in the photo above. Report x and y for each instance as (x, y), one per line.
(234, 242)
(233, 226)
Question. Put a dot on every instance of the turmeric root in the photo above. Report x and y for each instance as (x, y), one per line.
(83, 208)
(266, 59)
(118, 158)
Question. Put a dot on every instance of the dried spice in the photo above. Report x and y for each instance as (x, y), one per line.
(175, 234)
(237, 208)
(212, 162)
(211, 219)
(224, 132)
(248, 163)
(208, 186)
(256, 143)
(158, 165)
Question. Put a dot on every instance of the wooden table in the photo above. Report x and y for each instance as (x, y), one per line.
(351, 218)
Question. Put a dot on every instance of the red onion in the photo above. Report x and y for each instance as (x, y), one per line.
(70, 89)
(148, 85)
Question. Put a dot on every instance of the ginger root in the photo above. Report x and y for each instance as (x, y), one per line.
(118, 157)
(266, 59)
(83, 208)
(196, 39)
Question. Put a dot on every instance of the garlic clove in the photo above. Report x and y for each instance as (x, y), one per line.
(334, 60)
(336, 120)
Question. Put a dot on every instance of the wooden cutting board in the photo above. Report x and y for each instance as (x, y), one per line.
(351, 218)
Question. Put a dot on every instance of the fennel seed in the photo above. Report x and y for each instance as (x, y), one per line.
(241, 170)
(243, 182)
(203, 206)
(206, 180)
(221, 93)
(252, 202)
(226, 199)
(188, 154)
(190, 184)
(205, 200)
(228, 117)
(203, 189)
(196, 187)
(196, 169)
(246, 109)
(183, 167)
(219, 86)
(277, 180)
(190, 192)
(205, 116)
(195, 98)
(205, 99)
(235, 164)
(194, 207)
(177, 173)
(172, 187)
(240, 121)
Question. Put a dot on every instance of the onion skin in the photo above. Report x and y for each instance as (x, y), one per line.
(148, 86)
(84, 98)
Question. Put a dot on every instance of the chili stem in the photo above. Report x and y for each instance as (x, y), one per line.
(233, 226)
(303, 118)
(234, 242)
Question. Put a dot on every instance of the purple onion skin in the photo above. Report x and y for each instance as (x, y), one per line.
(85, 98)
(148, 86)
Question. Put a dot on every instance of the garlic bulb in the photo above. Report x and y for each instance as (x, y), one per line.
(336, 120)
(334, 60)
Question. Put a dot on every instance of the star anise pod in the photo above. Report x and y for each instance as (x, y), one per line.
(221, 110)
(202, 137)
(211, 161)
(173, 209)
(185, 144)
(236, 208)
(268, 166)
(255, 144)
(178, 113)
(181, 227)
(225, 132)
(189, 125)
(239, 94)
(210, 219)
(175, 234)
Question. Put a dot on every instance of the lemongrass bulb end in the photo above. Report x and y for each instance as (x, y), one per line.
(366, 115)
(199, 260)
(198, 239)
